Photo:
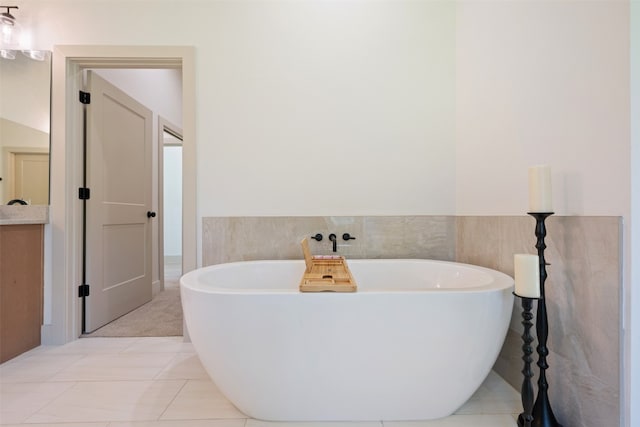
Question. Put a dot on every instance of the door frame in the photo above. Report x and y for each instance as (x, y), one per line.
(164, 125)
(66, 175)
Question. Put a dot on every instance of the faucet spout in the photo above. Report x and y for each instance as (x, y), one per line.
(334, 239)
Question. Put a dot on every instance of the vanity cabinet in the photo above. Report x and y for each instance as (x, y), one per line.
(21, 288)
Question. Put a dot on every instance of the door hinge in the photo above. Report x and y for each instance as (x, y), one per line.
(84, 193)
(85, 97)
(83, 291)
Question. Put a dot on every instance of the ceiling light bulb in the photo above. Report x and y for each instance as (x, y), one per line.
(7, 31)
(10, 30)
(37, 55)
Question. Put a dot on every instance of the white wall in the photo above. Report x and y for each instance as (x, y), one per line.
(303, 107)
(158, 89)
(542, 83)
(172, 165)
(296, 96)
(333, 108)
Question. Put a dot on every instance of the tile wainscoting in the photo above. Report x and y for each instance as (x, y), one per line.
(583, 284)
(583, 291)
(229, 239)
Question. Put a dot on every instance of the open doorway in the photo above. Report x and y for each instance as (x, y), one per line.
(138, 303)
(62, 301)
(170, 193)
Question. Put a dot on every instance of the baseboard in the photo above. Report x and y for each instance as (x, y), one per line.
(156, 288)
(173, 259)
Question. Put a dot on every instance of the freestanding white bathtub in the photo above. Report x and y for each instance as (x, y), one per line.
(413, 343)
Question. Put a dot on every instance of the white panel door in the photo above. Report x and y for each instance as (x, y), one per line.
(118, 255)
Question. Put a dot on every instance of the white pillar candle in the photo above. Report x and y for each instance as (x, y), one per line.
(540, 189)
(527, 275)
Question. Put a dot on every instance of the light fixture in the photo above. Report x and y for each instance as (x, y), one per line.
(8, 53)
(10, 30)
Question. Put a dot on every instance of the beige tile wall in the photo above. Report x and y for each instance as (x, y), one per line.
(583, 287)
(228, 239)
(583, 307)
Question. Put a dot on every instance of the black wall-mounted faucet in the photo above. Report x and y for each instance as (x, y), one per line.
(334, 239)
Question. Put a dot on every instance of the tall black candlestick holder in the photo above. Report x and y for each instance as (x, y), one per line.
(542, 412)
(526, 418)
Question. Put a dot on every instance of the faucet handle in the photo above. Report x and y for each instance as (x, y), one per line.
(317, 237)
(347, 236)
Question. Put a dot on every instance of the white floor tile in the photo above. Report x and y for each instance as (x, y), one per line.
(161, 345)
(259, 423)
(200, 400)
(97, 345)
(109, 401)
(36, 368)
(59, 425)
(116, 367)
(21, 400)
(181, 423)
(459, 421)
(160, 382)
(184, 366)
(495, 396)
(497, 386)
(483, 406)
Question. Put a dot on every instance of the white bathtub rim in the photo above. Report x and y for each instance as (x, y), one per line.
(192, 280)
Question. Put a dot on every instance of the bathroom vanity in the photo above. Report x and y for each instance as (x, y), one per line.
(21, 278)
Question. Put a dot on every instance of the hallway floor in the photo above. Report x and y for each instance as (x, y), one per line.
(159, 382)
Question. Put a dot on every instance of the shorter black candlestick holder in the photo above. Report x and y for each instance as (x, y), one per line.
(526, 418)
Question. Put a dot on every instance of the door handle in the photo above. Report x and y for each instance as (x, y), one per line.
(151, 214)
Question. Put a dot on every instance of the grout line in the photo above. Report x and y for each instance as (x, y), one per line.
(164, 368)
(50, 401)
(173, 399)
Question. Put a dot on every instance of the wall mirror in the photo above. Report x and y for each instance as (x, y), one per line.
(25, 99)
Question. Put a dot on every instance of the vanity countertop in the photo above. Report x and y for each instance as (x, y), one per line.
(18, 214)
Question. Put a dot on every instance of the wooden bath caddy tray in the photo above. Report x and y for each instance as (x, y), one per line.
(325, 273)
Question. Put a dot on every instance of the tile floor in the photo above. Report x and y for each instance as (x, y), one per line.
(159, 382)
